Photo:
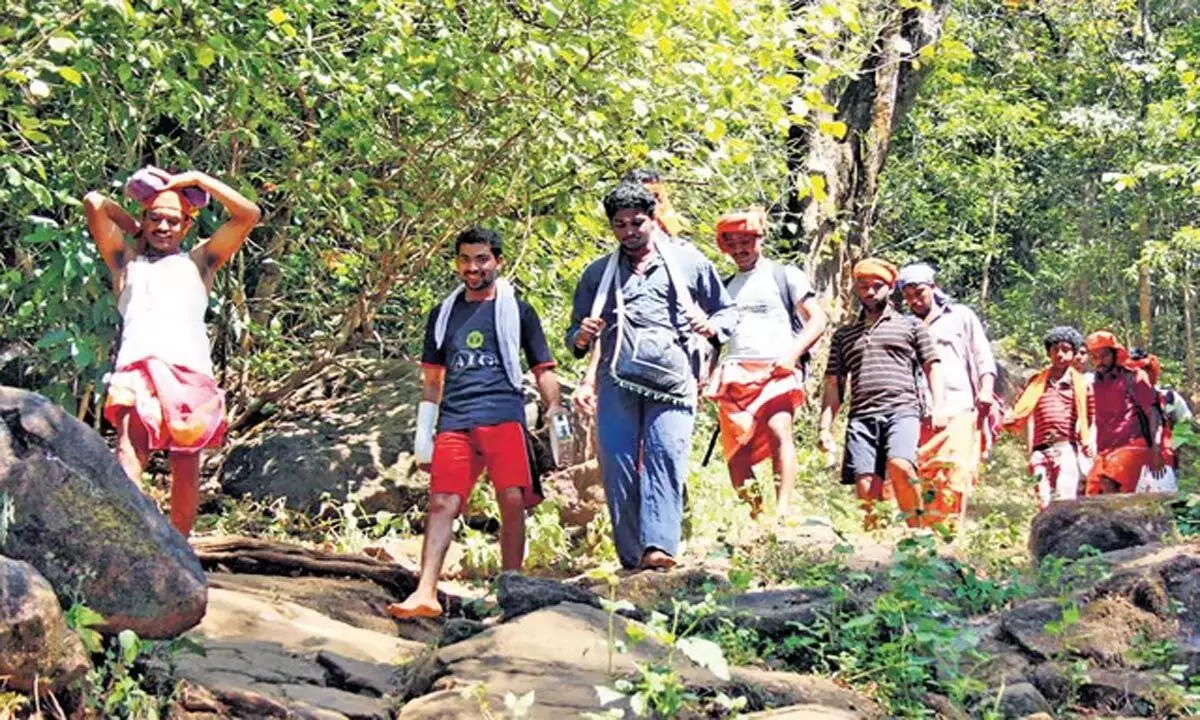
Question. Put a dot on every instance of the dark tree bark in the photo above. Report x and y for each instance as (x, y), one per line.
(836, 231)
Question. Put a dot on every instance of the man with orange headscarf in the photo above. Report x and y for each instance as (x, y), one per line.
(1172, 407)
(1056, 411)
(1127, 421)
(760, 384)
(880, 354)
(162, 395)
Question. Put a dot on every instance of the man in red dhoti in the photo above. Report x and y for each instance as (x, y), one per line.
(760, 384)
(162, 395)
(948, 458)
(1127, 419)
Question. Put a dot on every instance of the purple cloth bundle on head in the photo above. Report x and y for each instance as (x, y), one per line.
(149, 181)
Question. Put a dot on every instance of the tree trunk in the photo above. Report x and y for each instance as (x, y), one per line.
(1189, 333)
(834, 226)
(1144, 33)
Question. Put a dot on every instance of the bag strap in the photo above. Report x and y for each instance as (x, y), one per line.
(779, 272)
(1143, 421)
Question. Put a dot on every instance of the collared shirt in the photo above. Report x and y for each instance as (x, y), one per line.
(649, 298)
(964, 351)
(1119, 394)
(882, 361)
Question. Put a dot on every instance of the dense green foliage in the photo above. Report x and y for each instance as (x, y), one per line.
(370, 132)
(1049, 155)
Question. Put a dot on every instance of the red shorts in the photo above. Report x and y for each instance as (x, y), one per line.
(460, 455)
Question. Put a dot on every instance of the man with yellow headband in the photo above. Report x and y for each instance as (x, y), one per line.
(879, 355)
(162, 395)
(1127, 420)
(760, 384)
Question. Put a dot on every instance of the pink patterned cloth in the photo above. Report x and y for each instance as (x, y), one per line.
(180, 409)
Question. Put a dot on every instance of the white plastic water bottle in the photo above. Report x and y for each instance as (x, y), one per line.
(560, 437)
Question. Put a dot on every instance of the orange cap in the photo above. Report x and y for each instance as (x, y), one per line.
(752, 220)
(876, 268)
(1102, 339)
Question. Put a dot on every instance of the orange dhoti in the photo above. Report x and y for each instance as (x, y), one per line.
(748, 393)
(180, 409)
(1118, 470)
(947, 466)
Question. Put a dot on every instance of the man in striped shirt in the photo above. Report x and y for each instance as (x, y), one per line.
(1056, 411)
(880, 355)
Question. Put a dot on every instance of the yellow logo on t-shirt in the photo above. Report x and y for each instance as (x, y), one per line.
(475, 339)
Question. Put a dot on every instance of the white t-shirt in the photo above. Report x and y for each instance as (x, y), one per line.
(764, 326)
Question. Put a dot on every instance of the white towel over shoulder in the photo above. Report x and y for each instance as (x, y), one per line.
(508, 326)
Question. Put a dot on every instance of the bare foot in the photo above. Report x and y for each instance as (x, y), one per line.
(415, 607)
(655, 559)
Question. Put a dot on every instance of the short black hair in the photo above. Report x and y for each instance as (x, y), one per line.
(480, 236)
(629, 196)
(642, 175)
(1138, 353)
(1063, 334)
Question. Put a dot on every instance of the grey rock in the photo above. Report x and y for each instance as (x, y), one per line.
(375, 679)
(38, 648)
(459, 629)
(1106, 523)
(89, 530)
(519, 594)
(1022, 699)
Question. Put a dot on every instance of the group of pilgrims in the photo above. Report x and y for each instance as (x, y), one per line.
(661, 332)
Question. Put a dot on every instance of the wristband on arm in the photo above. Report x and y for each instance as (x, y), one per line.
(427, 415)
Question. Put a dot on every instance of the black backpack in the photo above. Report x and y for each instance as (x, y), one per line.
(779, 273)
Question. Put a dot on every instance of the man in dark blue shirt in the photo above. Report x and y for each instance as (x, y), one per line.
(646, 303)
(472, 378)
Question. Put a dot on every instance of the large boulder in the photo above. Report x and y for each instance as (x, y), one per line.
(1107, 522)
(88, 530)
(352, 440)
(38, 648)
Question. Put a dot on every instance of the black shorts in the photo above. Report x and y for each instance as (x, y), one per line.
(872, 440)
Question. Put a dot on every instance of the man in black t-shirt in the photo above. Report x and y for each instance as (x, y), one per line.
(472, 378)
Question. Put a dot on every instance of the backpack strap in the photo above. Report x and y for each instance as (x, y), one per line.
(779, 272)
(1143, 421)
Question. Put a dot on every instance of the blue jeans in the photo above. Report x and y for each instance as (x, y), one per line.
(646, 502)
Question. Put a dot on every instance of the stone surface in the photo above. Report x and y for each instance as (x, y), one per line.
(1117, 692)
(87, 529)
(269, 657)
(1026, 626)
(561, 653)
(520, 594)
(655, 590)
(772, 612)
(35, 643)
(369, 678)
(1022, 699)
(459, 629)
(1108, 522)
(1107, 631)
(579, 492)
(360, 603)
(1052, 681)
(234, 615)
